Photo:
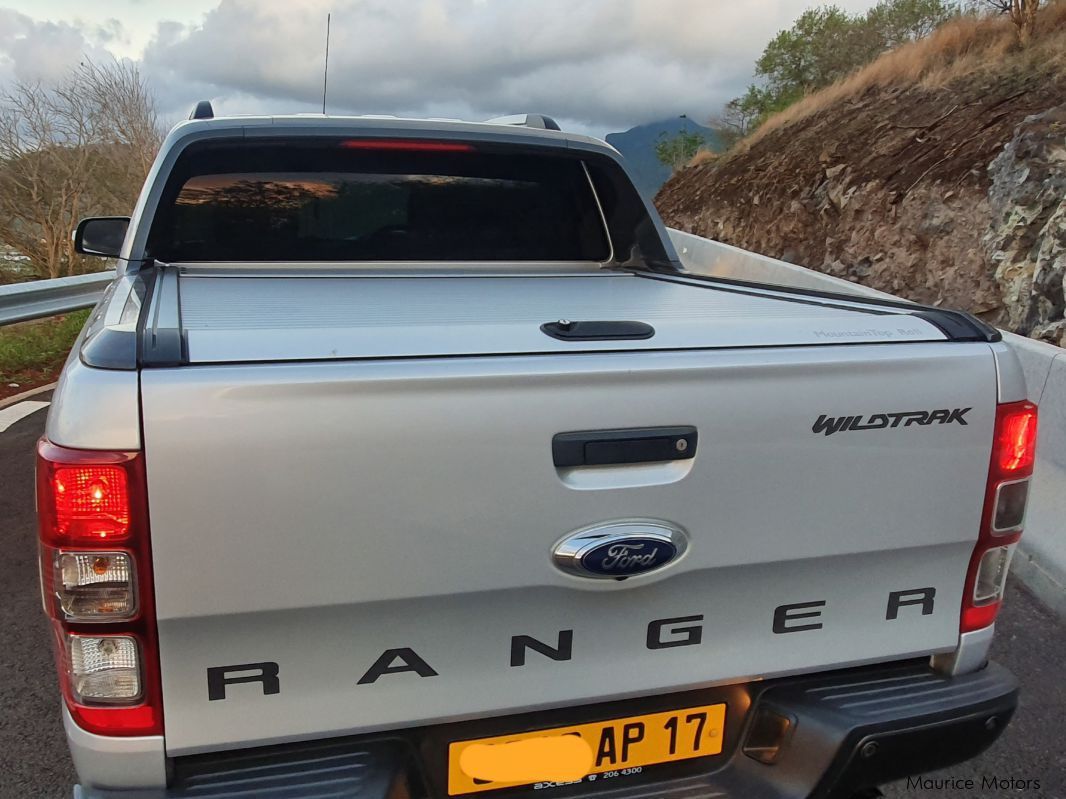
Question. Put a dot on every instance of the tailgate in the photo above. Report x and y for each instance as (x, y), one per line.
(376, 537)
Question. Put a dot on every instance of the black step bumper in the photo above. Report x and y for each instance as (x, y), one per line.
(827, 736)
(881, 727)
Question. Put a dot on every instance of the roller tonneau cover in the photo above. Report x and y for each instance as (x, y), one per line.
(254, 318)
(445, 476)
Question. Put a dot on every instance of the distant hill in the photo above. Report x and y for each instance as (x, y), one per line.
(638, 146)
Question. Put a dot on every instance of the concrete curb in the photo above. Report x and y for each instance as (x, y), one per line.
(1032, 571)
(25, 395)
(1040, 560)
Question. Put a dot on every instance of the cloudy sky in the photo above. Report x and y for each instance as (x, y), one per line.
(596, 65)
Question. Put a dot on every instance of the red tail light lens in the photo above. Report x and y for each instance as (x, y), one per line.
(92, 502)
(1006, 494)
(85, 497)
(92, 511)
(1015, 447)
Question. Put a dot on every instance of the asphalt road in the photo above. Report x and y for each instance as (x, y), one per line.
(33, 755)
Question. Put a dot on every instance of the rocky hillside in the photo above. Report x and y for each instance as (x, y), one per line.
(937, 173)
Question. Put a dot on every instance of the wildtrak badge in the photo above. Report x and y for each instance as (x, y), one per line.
(617, 550)
(880, 421)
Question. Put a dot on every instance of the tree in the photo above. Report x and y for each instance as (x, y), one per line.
(825, 45)
(1023, 15)
(740, 116)
(80, 147)
(897, 22)
(676, 151)
(1021, 12)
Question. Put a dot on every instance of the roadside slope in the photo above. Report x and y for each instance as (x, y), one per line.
(885, 178)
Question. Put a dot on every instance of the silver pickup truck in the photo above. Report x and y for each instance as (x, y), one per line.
(405, 459)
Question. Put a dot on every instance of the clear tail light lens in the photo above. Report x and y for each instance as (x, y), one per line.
(94, 586)
(104, 669)
(992, 575)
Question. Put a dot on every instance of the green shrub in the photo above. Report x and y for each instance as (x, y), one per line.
(41, 345)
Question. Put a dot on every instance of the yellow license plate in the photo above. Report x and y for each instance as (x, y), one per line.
(600, 750)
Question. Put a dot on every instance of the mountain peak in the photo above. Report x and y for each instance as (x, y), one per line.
(637, 145)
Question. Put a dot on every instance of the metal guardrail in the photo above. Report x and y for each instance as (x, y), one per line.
(20, 302)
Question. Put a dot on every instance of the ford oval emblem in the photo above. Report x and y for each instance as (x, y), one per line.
(617, 550)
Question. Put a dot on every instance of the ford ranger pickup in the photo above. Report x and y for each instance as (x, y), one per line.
(405, 459)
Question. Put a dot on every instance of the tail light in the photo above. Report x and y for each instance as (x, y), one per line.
(1009, 475)
(96, 579)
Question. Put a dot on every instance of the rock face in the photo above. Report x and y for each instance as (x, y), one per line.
(1026, 241)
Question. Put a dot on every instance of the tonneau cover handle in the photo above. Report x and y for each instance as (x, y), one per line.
(565, 330)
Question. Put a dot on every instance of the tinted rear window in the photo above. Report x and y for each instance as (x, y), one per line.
(328, 202)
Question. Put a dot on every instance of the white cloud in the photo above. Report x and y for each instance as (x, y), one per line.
(599, 64)
(40, 51)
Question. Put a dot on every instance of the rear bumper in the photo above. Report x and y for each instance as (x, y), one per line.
(878, 728)
(848, 731)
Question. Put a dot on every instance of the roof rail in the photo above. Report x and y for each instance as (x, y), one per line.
(203, 110)
(527, 120)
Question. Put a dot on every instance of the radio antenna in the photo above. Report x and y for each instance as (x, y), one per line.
(325, 67)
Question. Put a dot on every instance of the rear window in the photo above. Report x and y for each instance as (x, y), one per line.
(335, 202)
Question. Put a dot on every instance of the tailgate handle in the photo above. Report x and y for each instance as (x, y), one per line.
(630, 445)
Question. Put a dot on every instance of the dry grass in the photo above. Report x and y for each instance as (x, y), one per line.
(702, 157)
(958, 49)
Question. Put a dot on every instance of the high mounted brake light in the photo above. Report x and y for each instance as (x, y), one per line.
(1006, 494)
(95, 559)
(407, 145)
